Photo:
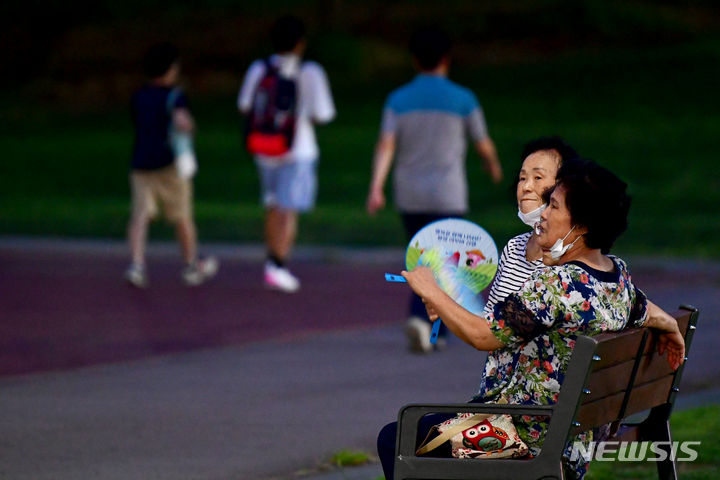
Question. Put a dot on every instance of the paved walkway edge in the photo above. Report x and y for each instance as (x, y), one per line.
(309, 253)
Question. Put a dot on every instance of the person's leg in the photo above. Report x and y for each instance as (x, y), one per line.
(386, 442)
(280, 233)
(268, 175)
(143, 209)
(387, 439)
(280, 227)
(270, 232)
(137, 238)
(136, 273)
(186, 234)
(417, 328)
(294, 190)
(176, 194)
(295, 193)
(197, 270)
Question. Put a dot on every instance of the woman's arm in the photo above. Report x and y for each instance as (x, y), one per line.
(472, 329)
(670, 340)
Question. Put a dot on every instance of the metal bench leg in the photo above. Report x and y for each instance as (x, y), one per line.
(657, 428)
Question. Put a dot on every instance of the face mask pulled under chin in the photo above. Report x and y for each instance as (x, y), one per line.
(531, 218)
(558, 249)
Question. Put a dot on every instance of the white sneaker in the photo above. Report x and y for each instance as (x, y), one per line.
(418, 335)
(136, 276)
(279, 278)
(200, 272)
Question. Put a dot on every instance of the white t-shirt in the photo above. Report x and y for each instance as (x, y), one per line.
(314, 101)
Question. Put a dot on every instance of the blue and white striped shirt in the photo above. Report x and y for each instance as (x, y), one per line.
(513, 270)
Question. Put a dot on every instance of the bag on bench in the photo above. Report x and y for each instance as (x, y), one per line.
(477, 436)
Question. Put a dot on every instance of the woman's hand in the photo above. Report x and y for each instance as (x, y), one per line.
(670, 339)
(432, 314)
(674, 344)
(422, 281)
(471, 329)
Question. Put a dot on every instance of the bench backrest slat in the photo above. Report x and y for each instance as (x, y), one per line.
(611, 380)
(617, 347)
(606, 410)
(612, 376)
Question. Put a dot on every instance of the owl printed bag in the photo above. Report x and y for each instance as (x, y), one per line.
(477, 436)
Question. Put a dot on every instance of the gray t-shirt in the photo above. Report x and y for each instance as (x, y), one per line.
(431, 118)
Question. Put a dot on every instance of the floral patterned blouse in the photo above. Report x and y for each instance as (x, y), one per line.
(538, 326)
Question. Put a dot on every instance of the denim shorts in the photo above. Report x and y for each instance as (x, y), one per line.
(288, 185)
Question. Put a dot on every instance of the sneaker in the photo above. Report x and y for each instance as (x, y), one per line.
(200, 271)
(280, 278)
(136, 276)
(418, 335)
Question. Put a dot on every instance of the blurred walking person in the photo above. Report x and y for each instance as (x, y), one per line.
(162, 170)
(283, 97)
(424, 128)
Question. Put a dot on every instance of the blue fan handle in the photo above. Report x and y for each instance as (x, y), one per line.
(435, 331)
(389, 277)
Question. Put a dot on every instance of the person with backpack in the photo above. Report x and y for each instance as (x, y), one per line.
(163, 164)
(282, 98)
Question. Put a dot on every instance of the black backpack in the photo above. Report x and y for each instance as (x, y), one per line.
(270, 127)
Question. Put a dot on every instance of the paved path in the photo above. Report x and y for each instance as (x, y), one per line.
(64, 304)
(227, 380)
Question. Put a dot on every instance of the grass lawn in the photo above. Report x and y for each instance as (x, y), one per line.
(699, 424)
(651, 115)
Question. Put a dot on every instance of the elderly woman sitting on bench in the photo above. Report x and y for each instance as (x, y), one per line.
(581, 291)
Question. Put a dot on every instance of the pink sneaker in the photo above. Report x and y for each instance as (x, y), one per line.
(279, 278)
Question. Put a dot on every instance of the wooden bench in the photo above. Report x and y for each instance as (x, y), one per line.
(609, 377)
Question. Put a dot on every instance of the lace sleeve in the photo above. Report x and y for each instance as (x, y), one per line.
(529, 312)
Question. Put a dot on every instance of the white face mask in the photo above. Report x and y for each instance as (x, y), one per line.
(558, 250)
(531, 218)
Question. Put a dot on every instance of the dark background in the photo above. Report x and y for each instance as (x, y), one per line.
(88, 56)
(631, 84)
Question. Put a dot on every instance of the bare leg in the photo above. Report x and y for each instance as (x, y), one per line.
(137, 238)
(187, 238)
(280, 231)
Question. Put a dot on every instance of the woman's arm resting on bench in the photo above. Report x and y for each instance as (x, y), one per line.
(670, 339)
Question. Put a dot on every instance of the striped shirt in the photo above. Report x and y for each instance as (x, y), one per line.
(513, 271)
